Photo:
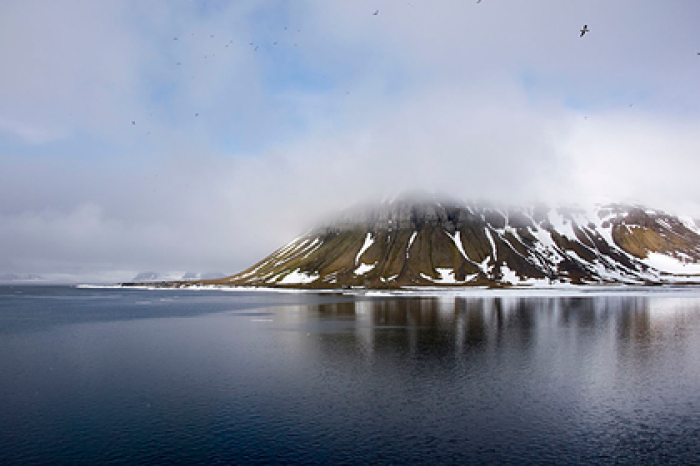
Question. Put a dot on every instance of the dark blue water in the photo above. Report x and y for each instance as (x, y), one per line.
(185, 377)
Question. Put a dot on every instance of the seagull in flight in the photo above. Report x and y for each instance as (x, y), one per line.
(584, 30)
(376, 13)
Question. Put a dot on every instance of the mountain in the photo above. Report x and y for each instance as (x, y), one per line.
(409, 243)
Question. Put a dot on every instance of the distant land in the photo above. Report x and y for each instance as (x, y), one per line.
(142, 277)
(21, 277)
(409, 243)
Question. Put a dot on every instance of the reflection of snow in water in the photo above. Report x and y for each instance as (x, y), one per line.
(563, 291)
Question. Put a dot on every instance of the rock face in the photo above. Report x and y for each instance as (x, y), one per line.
(409, 243)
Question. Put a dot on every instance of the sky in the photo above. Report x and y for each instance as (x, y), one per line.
(200, 135)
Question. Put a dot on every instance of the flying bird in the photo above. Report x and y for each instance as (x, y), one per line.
(478, 1)
(133, 123)
(584, 30)
(376, 13)
(196, 114)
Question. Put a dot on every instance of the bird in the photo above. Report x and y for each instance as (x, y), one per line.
(478, 1)
(376, 13)
(584, 30)
(174, 38)
(196, 114)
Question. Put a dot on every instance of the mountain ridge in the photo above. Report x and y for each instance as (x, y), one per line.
(407, 243)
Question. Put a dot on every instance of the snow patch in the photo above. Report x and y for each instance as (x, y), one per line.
(690, 224)
(296, 277)
(562, 225)
(458, 243)
(670, 264)
(447, 277)
(364, 268)
(484, 265)
(493, 244)
(369, 240)
(508, 275)
(410, 242)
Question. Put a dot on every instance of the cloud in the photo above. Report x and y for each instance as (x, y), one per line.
(308, 107)
(637, 158)
(64, 63)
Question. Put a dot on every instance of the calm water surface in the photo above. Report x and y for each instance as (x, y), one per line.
(117, 376)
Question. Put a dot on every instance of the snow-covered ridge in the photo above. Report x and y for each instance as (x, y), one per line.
(443, 243)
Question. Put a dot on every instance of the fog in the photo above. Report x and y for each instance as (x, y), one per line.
(202, 135)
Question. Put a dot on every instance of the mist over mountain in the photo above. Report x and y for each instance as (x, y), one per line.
(418, 241)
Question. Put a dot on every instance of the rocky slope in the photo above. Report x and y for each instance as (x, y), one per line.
(429, 243)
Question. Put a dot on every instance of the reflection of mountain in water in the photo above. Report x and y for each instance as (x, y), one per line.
(591, 332)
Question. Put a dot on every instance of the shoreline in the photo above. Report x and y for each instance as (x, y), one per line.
(560, 290)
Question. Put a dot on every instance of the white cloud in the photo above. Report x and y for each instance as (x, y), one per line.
(491, 100)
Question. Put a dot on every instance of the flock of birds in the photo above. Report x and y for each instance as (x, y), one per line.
(583, 32)
(254, 46)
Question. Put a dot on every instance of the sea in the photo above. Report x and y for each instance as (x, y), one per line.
(121, 376)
